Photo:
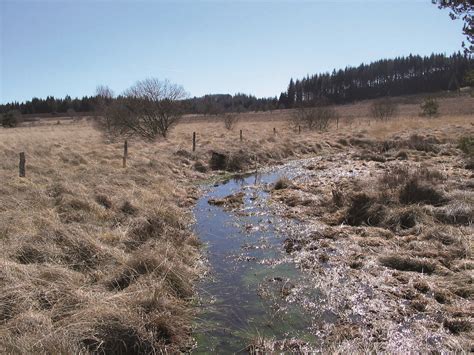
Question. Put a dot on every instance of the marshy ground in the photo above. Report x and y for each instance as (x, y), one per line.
(98, 258)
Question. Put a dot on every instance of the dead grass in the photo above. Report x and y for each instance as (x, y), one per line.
(406, 263)
(97, 258)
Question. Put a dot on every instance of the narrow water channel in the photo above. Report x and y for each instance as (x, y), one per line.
(246, 294)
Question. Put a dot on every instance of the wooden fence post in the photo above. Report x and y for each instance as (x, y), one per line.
(241, 135)
(22, 164)
(125, 153)
(299, 129)
(274, 131)
(194, 141)
(337, 122)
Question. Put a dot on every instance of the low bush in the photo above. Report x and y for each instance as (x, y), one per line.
(429, 107)
(383, 109)
(314, 117)
(11, 119)
(230, 120)
(415, 192)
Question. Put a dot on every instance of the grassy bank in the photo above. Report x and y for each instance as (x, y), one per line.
(98, 258)
(388, 238)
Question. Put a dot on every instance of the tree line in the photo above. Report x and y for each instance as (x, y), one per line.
(208, 104)
(51, 105)
(387, 77)
(221, 103)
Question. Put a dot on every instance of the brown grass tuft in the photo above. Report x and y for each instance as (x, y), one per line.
(406, 263)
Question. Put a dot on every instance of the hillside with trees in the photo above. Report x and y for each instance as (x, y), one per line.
(386, 77)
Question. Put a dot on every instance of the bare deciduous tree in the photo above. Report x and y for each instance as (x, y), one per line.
(314, 117)
(230, 120)
(148, 109)
(153, 107)
(383, 109)
(104, 107)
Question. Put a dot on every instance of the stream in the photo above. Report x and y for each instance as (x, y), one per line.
(248, 291)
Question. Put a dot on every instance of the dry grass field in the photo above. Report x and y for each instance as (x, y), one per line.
(100, 258)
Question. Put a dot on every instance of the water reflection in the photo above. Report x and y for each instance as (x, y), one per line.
(237, 303)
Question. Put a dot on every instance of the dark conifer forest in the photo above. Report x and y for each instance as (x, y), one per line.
(386, 77)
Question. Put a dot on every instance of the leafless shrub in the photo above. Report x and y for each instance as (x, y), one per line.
(230, 120)
(383, 109)
(148, 109)
(314, 117)
(104, 111)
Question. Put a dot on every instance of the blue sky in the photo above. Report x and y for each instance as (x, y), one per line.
(69, 47)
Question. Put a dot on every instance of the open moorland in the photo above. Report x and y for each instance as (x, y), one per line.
(101, 258)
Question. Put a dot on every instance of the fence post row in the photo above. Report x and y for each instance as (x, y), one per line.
(22, 164)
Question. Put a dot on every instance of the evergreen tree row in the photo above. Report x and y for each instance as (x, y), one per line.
(208, 104)
(387, 77)
(51, 105)
(216, 104)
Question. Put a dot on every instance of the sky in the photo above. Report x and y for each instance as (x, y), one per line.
(69, 47)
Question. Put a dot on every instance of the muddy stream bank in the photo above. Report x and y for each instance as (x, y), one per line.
(284, 275)
(246, 294)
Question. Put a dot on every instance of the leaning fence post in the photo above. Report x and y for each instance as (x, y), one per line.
(125, 153)
(241, 135)
(22, 164)
(194, 141)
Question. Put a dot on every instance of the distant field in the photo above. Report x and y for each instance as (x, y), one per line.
(409, 106)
